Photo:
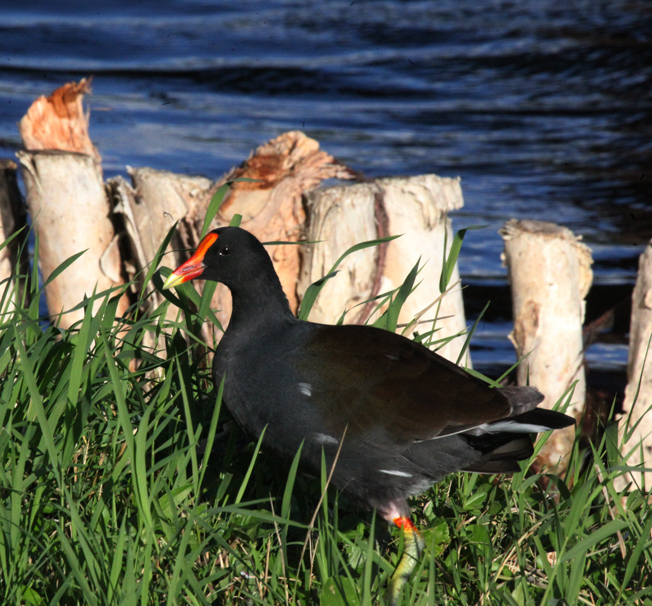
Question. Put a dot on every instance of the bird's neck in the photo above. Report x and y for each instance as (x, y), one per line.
(259, 305)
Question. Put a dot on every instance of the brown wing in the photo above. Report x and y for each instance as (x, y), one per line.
(376, 382)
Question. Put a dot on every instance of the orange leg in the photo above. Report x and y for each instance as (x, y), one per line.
(414, 545)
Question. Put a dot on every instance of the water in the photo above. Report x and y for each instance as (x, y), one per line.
(544, 108)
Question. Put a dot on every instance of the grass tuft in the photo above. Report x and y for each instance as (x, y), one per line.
(124, 481)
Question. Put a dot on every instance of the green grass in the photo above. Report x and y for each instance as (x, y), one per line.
(121, 483)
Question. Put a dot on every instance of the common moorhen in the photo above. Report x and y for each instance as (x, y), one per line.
(406, 417)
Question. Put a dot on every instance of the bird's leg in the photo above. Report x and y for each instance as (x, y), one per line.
(414, 545)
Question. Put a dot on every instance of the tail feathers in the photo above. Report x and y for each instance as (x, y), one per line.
(517, 449)
(504, 443)
(538, 420)
(495, 466)
(522, 399)
(548, 419)
(504, 458)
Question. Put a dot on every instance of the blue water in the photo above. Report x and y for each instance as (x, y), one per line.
(544, 108)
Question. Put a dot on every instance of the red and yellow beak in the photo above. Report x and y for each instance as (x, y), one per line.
(193, 267)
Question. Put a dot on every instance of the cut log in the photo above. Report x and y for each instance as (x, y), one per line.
(340, 217)
(272, 208)
(59, 122)
(346, 215)
(149, 209)
(635, 431)
(70, 211)
(550, 274)
(66, 199)
(418, 207)
(14, 254)
(157, 200)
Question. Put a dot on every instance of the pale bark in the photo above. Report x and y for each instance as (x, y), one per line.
(66, 199)
(157, 201)
(14, 254)
(635, 431)
(550, 275)
(415, 207)
(418, 207)
(70, 212)
(272, 208)
(339, 218)
(59, 122)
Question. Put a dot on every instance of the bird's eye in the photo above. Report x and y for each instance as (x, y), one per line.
(225, 251)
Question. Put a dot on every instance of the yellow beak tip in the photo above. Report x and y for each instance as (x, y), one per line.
(172, 280)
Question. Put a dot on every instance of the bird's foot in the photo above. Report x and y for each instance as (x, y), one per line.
(414, 545)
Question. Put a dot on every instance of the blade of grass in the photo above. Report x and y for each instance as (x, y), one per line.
(214, 207)
(243, 486)
(216, 202)
(389, 319)
(62, 267)
(314, 289)
(153, 266)
(36, 404)
(593, 539)
(76, 568)
(448, 265)
(211, 433)
(470, 334)
(367, 575)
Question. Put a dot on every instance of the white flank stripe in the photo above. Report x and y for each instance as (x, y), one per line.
(511, 426)
(322, 438)
(305, 389)
(496, 427)
(393, 472)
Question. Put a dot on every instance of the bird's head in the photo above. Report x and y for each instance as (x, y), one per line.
(228, 255)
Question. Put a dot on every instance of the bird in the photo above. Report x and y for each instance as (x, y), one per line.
(392, 416)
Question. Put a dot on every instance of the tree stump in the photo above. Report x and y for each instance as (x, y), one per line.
(70, 211)
(417, 207)
(635, 431)
(59, 122)
(67, 202)
(338, 218)
(550, 274)
(150, 206)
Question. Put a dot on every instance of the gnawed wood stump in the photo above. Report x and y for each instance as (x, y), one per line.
(150, 206)
(59, 122)
(272, 209)
(67, 201)
(550, 275)
(635, 430)
(14, 255)
(340, 217)
(416, 207)
(70, 210)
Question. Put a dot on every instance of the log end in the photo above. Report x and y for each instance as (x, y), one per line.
(290, 155)
(59, 121)
(516, 227)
